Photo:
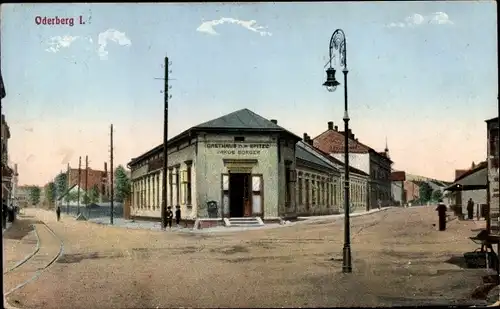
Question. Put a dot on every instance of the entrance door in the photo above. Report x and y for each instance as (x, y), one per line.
(239, 195)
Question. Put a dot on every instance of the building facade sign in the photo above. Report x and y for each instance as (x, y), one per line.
(238, 148)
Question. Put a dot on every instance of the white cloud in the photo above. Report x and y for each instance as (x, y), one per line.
(208, 26)
(111, 35)
(440, 18)
(414, 20)
(57, 42)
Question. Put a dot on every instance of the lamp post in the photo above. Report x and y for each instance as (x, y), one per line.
(338, 42)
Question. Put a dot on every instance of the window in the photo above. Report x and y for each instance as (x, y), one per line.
(313, 192)
(177, 187)
(300, 191)
(327, 195)
(170, 187)
(287, 186)
(225, 195)
(335, 195)
(307, 194)
(189, 196)
(494, 142)
(239, 138)
(257, 195)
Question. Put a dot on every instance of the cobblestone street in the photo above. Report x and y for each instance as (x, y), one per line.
(398, 256)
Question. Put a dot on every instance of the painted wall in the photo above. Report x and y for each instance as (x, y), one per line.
(398, 192)
(320, 195)
(146, 184)
(361, 161)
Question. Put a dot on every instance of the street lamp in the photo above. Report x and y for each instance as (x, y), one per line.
(338, 42)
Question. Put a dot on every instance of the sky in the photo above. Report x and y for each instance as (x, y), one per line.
(422, 75)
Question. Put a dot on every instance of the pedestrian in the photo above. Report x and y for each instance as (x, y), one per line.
(170, 215)
(470, 209)
(379, 202)
(58, 213)
(178, 216)
(441, 209)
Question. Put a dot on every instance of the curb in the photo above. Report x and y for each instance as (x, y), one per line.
(29, 256)
(339, 216)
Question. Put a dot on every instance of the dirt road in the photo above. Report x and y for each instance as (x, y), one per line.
(399, 257)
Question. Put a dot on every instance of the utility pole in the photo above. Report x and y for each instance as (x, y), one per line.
(68, 181)
(112, 190)
(2, 96)
(79, 184)
(165, 148)
(87, 184)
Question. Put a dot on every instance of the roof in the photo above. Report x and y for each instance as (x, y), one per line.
(479, 166)
(303, 152)
(492, 120)
(332, 141)
(475, 179)
(240, 121)
(398, 176)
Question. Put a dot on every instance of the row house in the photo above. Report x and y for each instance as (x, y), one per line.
(376, 164)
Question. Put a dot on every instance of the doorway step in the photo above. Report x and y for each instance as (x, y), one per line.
(243, 222)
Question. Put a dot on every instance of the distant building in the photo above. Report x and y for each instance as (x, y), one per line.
(478, 195)
(493, 149)
(96, 178)
(23, 195)
(364, 158)
(7, 172)
(398, 187)
(412, 191)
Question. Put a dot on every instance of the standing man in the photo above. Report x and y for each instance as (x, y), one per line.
(170, 216)
(58, 212)
(441, 209)
(470, 209)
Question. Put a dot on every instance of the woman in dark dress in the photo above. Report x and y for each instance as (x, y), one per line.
(441, 209)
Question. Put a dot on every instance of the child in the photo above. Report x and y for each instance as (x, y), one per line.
(178, 215)
(170, 215)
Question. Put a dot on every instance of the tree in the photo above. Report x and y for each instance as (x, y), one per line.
(85, 199)
(50, 193)
(94, 194)
(437, 195)
(425, 192)
(34, 195)
(71, 197)
(122, 184)
(61, 182)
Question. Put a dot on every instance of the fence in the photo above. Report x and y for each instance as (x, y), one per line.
(94, 211)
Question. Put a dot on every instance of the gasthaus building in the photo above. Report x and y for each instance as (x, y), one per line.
(241, 161)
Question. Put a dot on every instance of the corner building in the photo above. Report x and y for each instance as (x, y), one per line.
(242, 161)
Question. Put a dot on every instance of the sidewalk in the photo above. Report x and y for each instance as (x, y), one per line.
(156, 226)
(354, 214)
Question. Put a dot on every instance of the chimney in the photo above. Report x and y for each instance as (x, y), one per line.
(305, 137)
(336, 128)
(274, 121)
(330, 125)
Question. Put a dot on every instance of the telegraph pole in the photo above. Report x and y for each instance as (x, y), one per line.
(68, 181)
(165, 149)
(86, 184)
(79, 184)
(112, 190)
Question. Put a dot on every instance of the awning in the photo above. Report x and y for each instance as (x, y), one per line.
(476, 180)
